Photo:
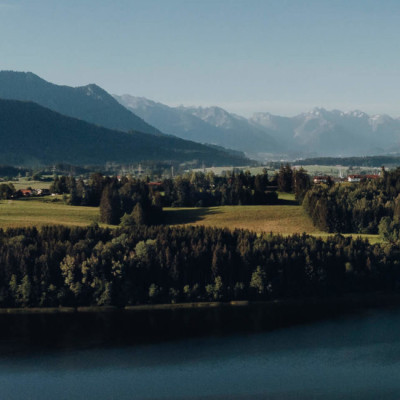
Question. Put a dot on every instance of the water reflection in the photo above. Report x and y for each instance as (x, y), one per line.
(351, 357)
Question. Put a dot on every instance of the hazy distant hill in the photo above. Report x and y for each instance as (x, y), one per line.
(205, 125)
(31, 134)
(316, 133)
(89, 103)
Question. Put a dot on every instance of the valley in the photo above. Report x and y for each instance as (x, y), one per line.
(199, 200)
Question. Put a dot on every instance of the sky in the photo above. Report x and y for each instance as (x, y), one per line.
(279, 56)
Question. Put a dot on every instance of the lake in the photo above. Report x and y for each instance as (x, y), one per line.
(110, 356)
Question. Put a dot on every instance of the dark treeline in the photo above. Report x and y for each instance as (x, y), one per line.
(117, 197)
(355, 208)
(295, 181)
(7, 191)
(198, 189)
(60, 266)
(10, 171)
(127, 200)
(189, 190)
(195, 189)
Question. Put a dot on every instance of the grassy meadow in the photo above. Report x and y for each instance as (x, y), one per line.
(42, 211)
(286, 218)
(24, 183)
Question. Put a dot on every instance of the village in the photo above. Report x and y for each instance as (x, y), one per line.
(354, 178)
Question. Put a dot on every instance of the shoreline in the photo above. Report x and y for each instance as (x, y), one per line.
(353, 301)
(27, 331)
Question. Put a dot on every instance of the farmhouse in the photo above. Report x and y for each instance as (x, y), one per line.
(26, 192)
(358, 178)
(372, 176)
(43, 192)
(354, 178)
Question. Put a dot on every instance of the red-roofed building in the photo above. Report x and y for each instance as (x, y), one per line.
(154, 184)
(358, 177)
(26, 192)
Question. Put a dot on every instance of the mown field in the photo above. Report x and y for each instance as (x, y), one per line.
(24, 183)
(285, 219)
(44, 211)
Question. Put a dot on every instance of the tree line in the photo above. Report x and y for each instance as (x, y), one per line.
(135, 201)
(355, 208)
(295, 181)
(126, 200)
(195, 189)
(60, 266)
(198, 189)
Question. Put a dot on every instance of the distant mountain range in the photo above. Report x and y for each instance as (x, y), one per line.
(89, 103)
(205, 125)
(263, 136)
(42, 123)
(33, 135)
(316, 133)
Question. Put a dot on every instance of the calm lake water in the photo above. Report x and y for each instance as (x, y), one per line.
(347, 357)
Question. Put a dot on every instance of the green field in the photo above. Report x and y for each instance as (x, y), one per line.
(281, 219)
(44, 211)
(24, 183)
(286, 219)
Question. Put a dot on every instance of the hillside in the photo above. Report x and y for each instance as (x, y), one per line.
(33, 135)
(89, 103)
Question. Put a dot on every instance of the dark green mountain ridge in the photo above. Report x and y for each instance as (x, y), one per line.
(89, 103)
(33, 135)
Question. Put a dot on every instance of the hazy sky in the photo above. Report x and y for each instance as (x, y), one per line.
(280, 56)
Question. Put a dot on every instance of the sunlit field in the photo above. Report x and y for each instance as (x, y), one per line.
(44, 211)
(284, 219)
(24, 183)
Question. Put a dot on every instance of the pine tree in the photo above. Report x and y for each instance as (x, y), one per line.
(110, 208)
(138, 215)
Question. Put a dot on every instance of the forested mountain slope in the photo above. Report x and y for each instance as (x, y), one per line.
(33, 135)
(89, 103)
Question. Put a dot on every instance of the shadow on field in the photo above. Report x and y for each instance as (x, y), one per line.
(186, 215)
(285, 202)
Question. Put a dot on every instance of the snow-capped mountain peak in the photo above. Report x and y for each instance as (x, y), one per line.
(356, 114)
(317, 132)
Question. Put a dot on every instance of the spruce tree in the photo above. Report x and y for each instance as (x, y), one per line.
(110, 208)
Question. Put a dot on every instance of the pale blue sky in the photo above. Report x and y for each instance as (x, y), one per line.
(281, 56)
